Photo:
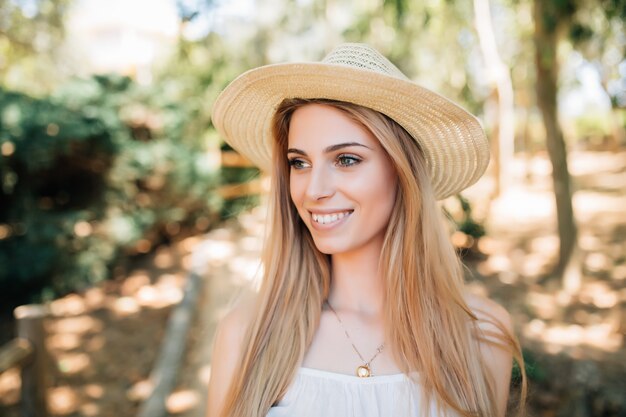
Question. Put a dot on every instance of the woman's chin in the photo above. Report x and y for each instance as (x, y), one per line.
(329, 247)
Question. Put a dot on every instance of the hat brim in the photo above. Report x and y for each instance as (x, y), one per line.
(454, 144)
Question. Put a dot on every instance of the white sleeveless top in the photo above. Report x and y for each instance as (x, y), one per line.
(317, 393)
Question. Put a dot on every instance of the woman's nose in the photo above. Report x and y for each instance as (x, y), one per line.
(320, 184)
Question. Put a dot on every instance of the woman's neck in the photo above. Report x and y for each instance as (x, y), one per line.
(356, 283)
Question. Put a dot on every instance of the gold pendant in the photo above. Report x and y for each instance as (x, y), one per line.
(363, 371)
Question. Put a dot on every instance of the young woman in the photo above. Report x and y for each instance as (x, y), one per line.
(362, 310)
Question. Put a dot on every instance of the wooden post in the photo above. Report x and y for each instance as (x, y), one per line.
(30, 327)
(165, 372)
(15, 353)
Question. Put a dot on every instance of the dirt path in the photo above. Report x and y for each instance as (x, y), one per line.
(230, 258)
(103, 342)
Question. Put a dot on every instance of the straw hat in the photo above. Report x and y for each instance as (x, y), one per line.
(454, 143)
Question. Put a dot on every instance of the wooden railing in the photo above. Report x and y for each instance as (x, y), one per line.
(232, 159)
(28, 352)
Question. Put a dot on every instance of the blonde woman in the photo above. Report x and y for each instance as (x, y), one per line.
(362, 310)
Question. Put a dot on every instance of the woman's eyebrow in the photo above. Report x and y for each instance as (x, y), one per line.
(329, 149)
(338, 146)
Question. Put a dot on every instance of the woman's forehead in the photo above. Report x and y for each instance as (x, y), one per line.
(319, 126)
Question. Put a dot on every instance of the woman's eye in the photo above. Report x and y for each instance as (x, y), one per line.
(297, 163)
(347, 160)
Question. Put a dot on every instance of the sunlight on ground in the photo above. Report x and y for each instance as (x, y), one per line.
(64, 341)
(522, 248)
(589, 163)
(95, 343)
(77, 325)
(72, 363)
(600, 330)
(518, 207)
(204, 374)
(217, 251)
(85, 330)
(588, 204)
(71, 305)
(487, 245)
(135, 282)
(619, 273)
(90, 410)
(138, 292)
(601, 336)
(94, 391)
(124, 306)
(589, 242)
(190, 243)
(181, 401)
(599, 294)
(10, 385)
(251, 243)
(63, 400)
(163, 259)
(140, 391)
(246, 268)
(94, 298)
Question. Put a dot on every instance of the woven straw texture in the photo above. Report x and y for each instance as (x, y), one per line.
(454, 143)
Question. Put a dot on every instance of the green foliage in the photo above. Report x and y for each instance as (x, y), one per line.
(30, 34)
(399, 7)
(234, 206)
(579, 32)
(433, 43)
(238, 175)
(534, 372)
(100, 169)
(467, 224)
(614, 9)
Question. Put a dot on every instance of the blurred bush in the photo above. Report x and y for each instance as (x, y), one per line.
(100, 169)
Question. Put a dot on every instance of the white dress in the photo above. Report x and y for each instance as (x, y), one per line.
(317, 393)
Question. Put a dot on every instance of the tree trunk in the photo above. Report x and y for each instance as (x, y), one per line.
(546, 42)
(500, 78)
(618, 134)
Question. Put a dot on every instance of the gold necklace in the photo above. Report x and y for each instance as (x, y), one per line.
(364, 370)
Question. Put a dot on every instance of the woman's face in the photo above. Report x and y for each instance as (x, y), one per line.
(342, 182)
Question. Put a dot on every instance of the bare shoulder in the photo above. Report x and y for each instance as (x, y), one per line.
(495, 344)
(227, 350)
(490, 315)
(232, 327)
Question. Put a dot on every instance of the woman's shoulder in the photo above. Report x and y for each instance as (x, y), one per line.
(489, 313)
(232, 327)
(496, 343)
(227, 350)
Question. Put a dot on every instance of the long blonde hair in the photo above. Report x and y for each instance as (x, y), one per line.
(430, 326)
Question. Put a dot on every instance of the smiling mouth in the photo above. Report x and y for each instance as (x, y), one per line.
(330, 217)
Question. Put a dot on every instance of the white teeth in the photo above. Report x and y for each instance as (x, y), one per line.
(329, 218)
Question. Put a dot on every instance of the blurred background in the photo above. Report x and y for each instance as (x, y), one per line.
(115, 186)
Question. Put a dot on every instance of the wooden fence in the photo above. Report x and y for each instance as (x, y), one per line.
(232, 159)
(28, 352)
